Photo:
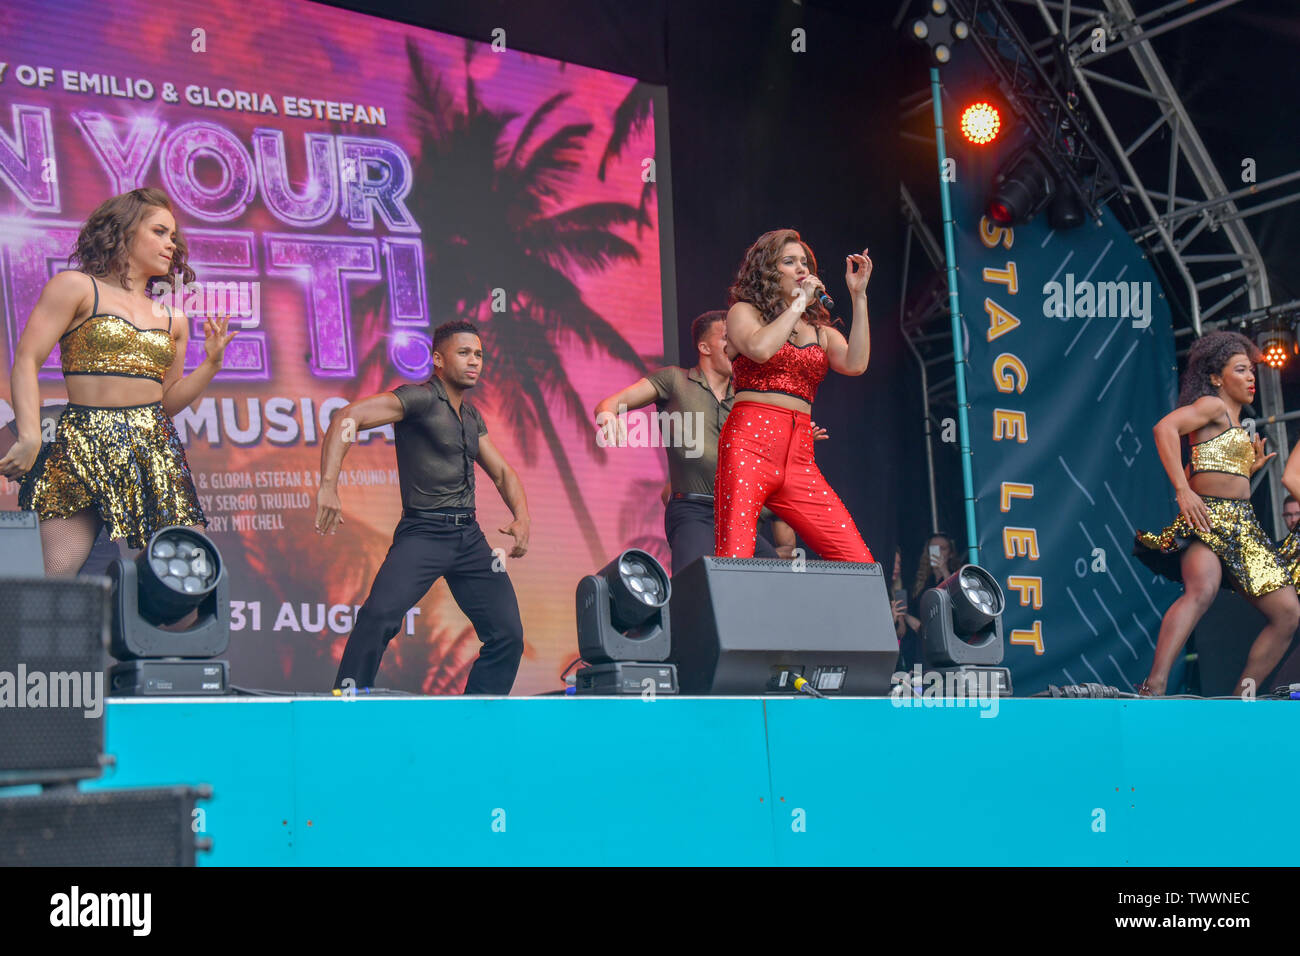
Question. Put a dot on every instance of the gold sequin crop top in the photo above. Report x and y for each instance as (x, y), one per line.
(1230, 452)
(108, 344)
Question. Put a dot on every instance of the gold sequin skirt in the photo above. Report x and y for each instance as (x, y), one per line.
(1288, 552)
(126, 463)
(1235, 536)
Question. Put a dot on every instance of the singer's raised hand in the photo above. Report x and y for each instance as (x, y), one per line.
(857, 273)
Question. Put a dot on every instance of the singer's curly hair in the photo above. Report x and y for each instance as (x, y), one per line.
(759, 283)
(103, 246)
(1207, 357)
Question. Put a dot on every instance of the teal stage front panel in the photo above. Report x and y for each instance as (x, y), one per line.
(731, 781)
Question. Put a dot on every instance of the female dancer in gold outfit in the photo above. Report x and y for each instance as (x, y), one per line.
(116, 458)
(1216, 529)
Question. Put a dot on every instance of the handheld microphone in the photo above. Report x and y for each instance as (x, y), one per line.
(825, 300)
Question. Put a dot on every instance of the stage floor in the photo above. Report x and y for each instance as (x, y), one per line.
(563, 780)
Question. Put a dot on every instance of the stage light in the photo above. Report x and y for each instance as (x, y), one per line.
(938, 30)
(179, 571)
(1023, 187)
(1065, 211)
(638, 587)
(623, 627)
(1277, 346)
(981, 122)
(961, 625)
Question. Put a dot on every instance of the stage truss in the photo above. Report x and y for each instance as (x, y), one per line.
(1093, 67)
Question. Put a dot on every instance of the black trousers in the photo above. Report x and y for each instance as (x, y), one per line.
(423, 550)
(688, 526)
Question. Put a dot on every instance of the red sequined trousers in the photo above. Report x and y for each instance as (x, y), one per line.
(765, 456)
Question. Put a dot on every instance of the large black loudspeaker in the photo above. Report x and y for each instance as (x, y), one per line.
(53, 635)
(746, 625)
(146, 827)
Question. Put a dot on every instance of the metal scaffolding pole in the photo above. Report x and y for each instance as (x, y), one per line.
(925, 383)
(954, 307)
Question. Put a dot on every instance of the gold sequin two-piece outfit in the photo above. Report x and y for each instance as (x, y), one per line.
(1235, 534)
(125, 462)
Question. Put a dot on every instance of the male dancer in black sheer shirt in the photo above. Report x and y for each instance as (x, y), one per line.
(439, 436)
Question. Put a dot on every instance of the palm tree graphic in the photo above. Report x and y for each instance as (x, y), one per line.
(499, 248)
(631, 116)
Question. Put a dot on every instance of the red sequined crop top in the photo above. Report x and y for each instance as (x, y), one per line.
(794, 370)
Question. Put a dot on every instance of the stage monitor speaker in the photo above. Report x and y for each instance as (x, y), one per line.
(750, 625)
(20, 545)
(53, 636)
(151, 826)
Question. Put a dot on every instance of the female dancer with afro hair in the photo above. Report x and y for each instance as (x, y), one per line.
(1216, 539)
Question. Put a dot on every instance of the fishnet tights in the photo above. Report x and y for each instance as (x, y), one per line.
(66, 542)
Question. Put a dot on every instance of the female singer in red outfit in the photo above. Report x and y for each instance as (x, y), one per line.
(781, 341)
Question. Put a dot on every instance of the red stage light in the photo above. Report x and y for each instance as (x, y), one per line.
(980, 123)
(998, 212)
(1276, 353)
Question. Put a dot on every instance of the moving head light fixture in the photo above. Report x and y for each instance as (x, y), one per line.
(623, 627)
(179, 572)
(961, 626)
